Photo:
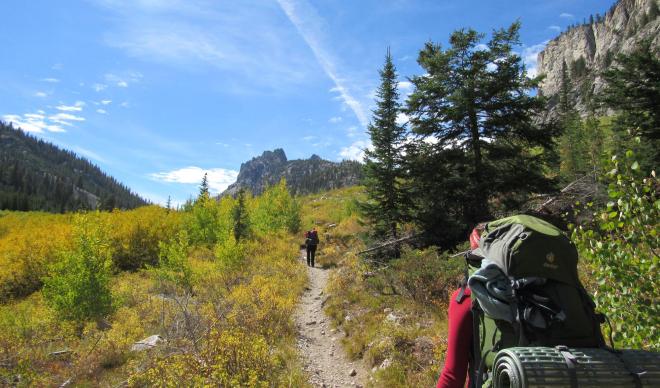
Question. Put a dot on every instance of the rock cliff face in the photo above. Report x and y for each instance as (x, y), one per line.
(590, 48)
(303, 176)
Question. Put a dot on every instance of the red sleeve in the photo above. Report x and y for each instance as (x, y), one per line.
(459, 343)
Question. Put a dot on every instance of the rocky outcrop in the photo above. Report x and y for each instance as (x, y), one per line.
(303, 176)
(590, 48)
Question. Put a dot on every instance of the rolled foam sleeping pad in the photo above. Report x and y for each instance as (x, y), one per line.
(535, 367)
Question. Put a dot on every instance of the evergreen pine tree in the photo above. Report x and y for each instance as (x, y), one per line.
(633, 90)
(572, 150)
(204, 188)
(571, 142)
(475, 105)
(564, 91)
(386, 205)
(240, 217)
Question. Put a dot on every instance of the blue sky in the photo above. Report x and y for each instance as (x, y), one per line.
(157, 92)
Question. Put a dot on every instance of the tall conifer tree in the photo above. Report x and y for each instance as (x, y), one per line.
(204, 188)
(386, 204)
(633, 90)
(240, 217)
(475, 104)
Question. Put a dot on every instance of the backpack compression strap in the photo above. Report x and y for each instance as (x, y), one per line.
(571, 362)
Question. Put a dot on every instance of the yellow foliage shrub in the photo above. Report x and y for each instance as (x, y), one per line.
(234, 329)
(135, 234)
(29, 242)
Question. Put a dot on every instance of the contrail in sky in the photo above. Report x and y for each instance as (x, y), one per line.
(307, 22)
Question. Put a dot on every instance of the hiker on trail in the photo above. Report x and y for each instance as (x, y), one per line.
(311, 241)
(459, 333)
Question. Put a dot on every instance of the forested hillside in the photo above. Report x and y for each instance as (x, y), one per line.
(36, 175)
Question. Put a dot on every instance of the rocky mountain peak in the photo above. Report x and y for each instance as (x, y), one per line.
(303, 176)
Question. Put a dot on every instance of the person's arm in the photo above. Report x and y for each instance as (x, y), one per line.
(459, 342)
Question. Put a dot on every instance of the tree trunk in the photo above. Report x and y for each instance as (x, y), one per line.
(477, 211)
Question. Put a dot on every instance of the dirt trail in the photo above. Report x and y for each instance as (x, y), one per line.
(319, 345)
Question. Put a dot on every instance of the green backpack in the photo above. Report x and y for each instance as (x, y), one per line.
(526, 292)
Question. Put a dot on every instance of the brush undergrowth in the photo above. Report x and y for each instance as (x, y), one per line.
(222, 308)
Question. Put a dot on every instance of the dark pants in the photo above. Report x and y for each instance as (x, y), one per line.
(311, 251)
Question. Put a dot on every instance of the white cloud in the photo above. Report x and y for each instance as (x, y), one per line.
(431, 140)
(63, 118)
(33, 122)
(309, 24)
(481, 47)
(41, 94)
(402, 118)
(99, 87)
(50, 80)
(218, 178)
(355, 151)
(309, 138)
(123, 79)
(335, 120)
(554, 28)
(530, 55)
(34, 116)
(76, 107)
(101, 111)
(124, 104)
(566, 15)
(406, 87)
(106, 102)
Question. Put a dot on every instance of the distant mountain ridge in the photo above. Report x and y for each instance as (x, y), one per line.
(37, 175)
(303, 176)
(589, 48)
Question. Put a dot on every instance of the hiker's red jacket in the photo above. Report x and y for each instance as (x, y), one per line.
(459, 342)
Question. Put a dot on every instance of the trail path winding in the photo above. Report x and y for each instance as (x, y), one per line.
(319, 345)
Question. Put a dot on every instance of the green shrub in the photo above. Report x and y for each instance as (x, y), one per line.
(230, 253)
(275, 210)
(203, 222)
(173, 266)
(621, 249)
(428, 277)
(78, 285)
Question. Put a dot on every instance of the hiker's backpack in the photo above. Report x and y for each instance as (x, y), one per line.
(315, 237)
(312, 238)
(526, 291)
